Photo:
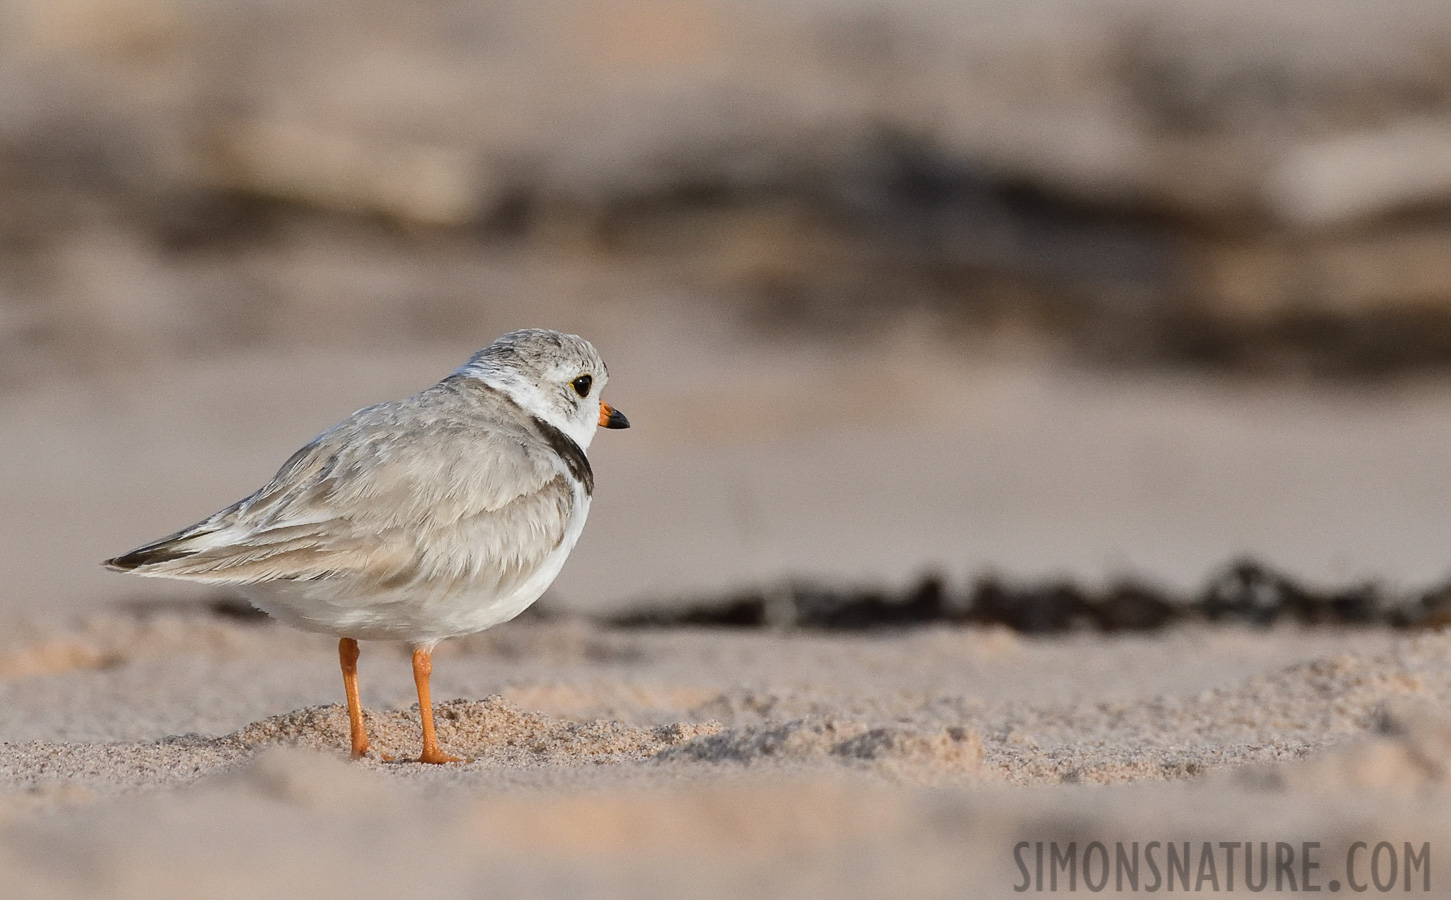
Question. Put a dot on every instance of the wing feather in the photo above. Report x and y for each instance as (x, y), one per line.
(436, 486)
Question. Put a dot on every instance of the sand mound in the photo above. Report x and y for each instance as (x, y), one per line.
(491, 731)
(1407, 754)
(1272, 718)
(899, 751)
(494, 732)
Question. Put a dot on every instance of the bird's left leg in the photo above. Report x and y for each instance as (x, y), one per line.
(422, 669)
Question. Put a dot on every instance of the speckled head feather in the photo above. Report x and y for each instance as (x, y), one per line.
(543, 371)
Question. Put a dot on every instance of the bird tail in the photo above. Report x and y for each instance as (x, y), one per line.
(159, 556)
(156, 554)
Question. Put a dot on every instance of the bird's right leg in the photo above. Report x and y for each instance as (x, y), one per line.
(348, 656)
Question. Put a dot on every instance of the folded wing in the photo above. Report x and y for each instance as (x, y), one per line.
(403, 492)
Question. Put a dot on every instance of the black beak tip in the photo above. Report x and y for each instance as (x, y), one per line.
(617, 420)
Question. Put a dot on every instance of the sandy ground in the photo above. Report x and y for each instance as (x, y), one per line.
(148, 747)
(148, 755)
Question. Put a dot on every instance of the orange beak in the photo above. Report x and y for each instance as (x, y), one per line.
(612, 418)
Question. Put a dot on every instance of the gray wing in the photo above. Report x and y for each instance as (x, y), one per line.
(399, 492)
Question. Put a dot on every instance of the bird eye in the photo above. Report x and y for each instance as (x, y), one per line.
(582, 384)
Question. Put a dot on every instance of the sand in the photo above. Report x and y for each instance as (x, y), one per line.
(699, 763)
(153, 746)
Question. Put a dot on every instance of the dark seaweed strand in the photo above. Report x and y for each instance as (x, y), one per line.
(1244, 591)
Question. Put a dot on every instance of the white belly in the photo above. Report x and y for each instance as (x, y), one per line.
(421, 614)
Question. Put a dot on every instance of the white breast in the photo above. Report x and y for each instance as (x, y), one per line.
(506, 607)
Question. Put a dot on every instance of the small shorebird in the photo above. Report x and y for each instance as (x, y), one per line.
(430, 517)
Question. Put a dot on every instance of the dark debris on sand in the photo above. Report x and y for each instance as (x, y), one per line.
(1245, 591)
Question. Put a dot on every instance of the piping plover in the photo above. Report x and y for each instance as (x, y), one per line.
(430, 517)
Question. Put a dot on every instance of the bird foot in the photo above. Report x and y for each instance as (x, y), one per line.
(436, 756)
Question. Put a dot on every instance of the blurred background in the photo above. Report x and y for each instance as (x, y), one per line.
(1078, 288)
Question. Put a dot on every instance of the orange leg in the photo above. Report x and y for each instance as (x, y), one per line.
(422, 669)
(348, 656)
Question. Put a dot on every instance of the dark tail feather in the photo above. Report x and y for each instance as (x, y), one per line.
(160, 552)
